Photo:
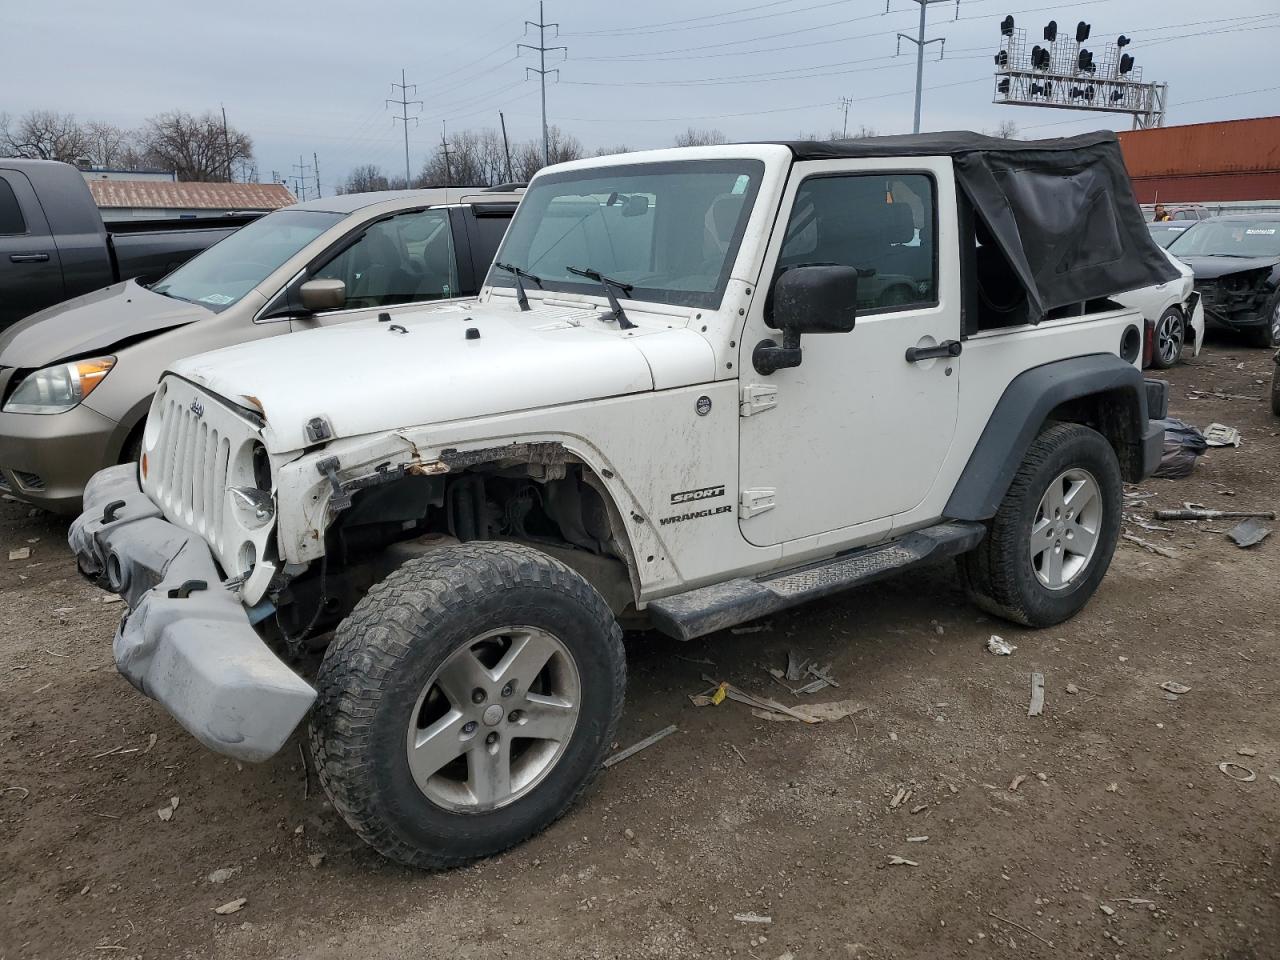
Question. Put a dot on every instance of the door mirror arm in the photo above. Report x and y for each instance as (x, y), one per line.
(815, 298)
(768, 357)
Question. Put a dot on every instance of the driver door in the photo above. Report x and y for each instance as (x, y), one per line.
(834, 448)
(405, 259)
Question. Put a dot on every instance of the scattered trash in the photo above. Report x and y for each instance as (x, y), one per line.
(1274, 779)
(1245, 775)
(919, 808)
(902, 794)
(1027, 930)
(1183, 445)
(1246, 752)
(222, 874)
(1072, 689)
(917, 839)
(1113, 787)
(999, 646)
(897, 861)
(1220, 435)
(1248, 533)
(713, 699)
(812, 712)
(752, 918)
(21, 553)
(232, 906)
(315, 860)
(1197, 512)
(633, 749)
(112, 598)
(1042, 777)
(795, 667)
(151, 743)
(1173, 686)
(1017, 781)
(166, 813)
(1150, 547)
(1132, 901)
(740, 696)
(1109, 911)
(1037, 695)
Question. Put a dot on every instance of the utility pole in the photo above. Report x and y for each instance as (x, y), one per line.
(844, 105)
(444, 146)
(226, 142)
(541, 70)
(315, 170)
(921, 43)
(506, 147)
(301, 177)
(405, 103)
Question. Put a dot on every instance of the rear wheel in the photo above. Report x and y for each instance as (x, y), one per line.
(466, 702)
(1170, 335)
(1051, 541)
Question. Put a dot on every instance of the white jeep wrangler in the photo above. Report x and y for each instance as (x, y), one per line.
(661, 409)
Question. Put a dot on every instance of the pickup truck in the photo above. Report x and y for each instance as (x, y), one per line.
(76, 380)
(684, 399)
(54, 245)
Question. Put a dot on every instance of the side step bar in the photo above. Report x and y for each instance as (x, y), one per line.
(696, 613)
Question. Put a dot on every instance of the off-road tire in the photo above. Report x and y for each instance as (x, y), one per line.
(998, 575)
(1170, 316)
(390, 645)
(1275, 387)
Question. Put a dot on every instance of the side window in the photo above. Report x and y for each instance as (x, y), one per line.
(403, 259)
(881, 224)
(11, 221)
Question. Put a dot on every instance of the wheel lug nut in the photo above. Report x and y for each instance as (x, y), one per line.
(477, 695)
(507, 690)
(491, 738)
(469, 727)
(513, 716)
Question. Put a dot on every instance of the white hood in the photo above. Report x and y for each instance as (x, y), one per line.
(367, 376)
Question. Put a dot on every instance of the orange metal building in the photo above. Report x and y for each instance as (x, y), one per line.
(1229, 160)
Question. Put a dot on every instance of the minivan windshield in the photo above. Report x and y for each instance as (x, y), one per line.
(224, 273)
(1229, 238)
(669, 231)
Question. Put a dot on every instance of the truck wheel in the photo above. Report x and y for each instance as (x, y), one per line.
(1050, 543)
(466, 702)
(1170, 335)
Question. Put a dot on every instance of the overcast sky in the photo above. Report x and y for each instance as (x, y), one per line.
(301, 78)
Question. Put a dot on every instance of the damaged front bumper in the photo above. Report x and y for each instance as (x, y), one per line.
(186, 640)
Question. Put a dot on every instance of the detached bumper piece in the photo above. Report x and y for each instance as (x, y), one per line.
(708, 609)
(186, 640)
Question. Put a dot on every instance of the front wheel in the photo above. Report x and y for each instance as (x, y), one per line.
(1051, 541)
(1170, 335)
(466, 702)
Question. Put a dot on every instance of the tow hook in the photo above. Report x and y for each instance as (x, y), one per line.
(188, 587)
(341, 500)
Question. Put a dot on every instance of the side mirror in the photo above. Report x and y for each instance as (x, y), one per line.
(318, 295)
(807, 299)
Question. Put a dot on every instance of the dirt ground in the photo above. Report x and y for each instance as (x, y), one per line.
(1124, 840)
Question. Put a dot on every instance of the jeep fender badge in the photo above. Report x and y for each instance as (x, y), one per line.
(703, 405)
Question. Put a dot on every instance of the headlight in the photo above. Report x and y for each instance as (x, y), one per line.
(58, 389)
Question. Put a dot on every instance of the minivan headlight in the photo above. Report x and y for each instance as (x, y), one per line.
(59, 388)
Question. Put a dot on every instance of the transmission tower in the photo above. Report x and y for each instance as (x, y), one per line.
(541, 70)
(921, 43)
(845, 103)
(301, 177)
(444, 148)
(405, 103)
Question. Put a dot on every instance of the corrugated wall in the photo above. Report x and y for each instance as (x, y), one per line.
(1224, 161)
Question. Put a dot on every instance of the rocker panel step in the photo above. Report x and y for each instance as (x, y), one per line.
(696, 613)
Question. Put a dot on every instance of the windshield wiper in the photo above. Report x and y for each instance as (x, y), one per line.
(519, 274)
(609, 286)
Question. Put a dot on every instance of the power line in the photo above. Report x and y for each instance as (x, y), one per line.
(300, 178)
(541, 70)
(664, 23)
(405, 103)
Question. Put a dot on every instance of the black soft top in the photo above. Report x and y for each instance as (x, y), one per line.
(1062, 211)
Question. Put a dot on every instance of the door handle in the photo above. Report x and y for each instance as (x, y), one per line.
(947, 348)
(28, 257)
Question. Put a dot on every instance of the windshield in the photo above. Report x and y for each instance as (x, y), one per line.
(1230, 238)
(1167, 231)
(669, 230)
(229, 269)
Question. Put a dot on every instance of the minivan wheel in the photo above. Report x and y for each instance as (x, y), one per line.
(1051, 541)
(1170, 337)
(466, 702)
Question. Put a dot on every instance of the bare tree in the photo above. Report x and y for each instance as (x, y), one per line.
(194, 146)
(364, 179)
(106, 144)
(1005, 129)
(610, 151)
(694, 137)
(476, 158)
(43, 135)
(526, 158)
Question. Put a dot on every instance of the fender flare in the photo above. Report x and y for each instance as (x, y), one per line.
(1028, 402)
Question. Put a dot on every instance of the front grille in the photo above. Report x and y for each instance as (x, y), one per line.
(188, 468)
(29, 481)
